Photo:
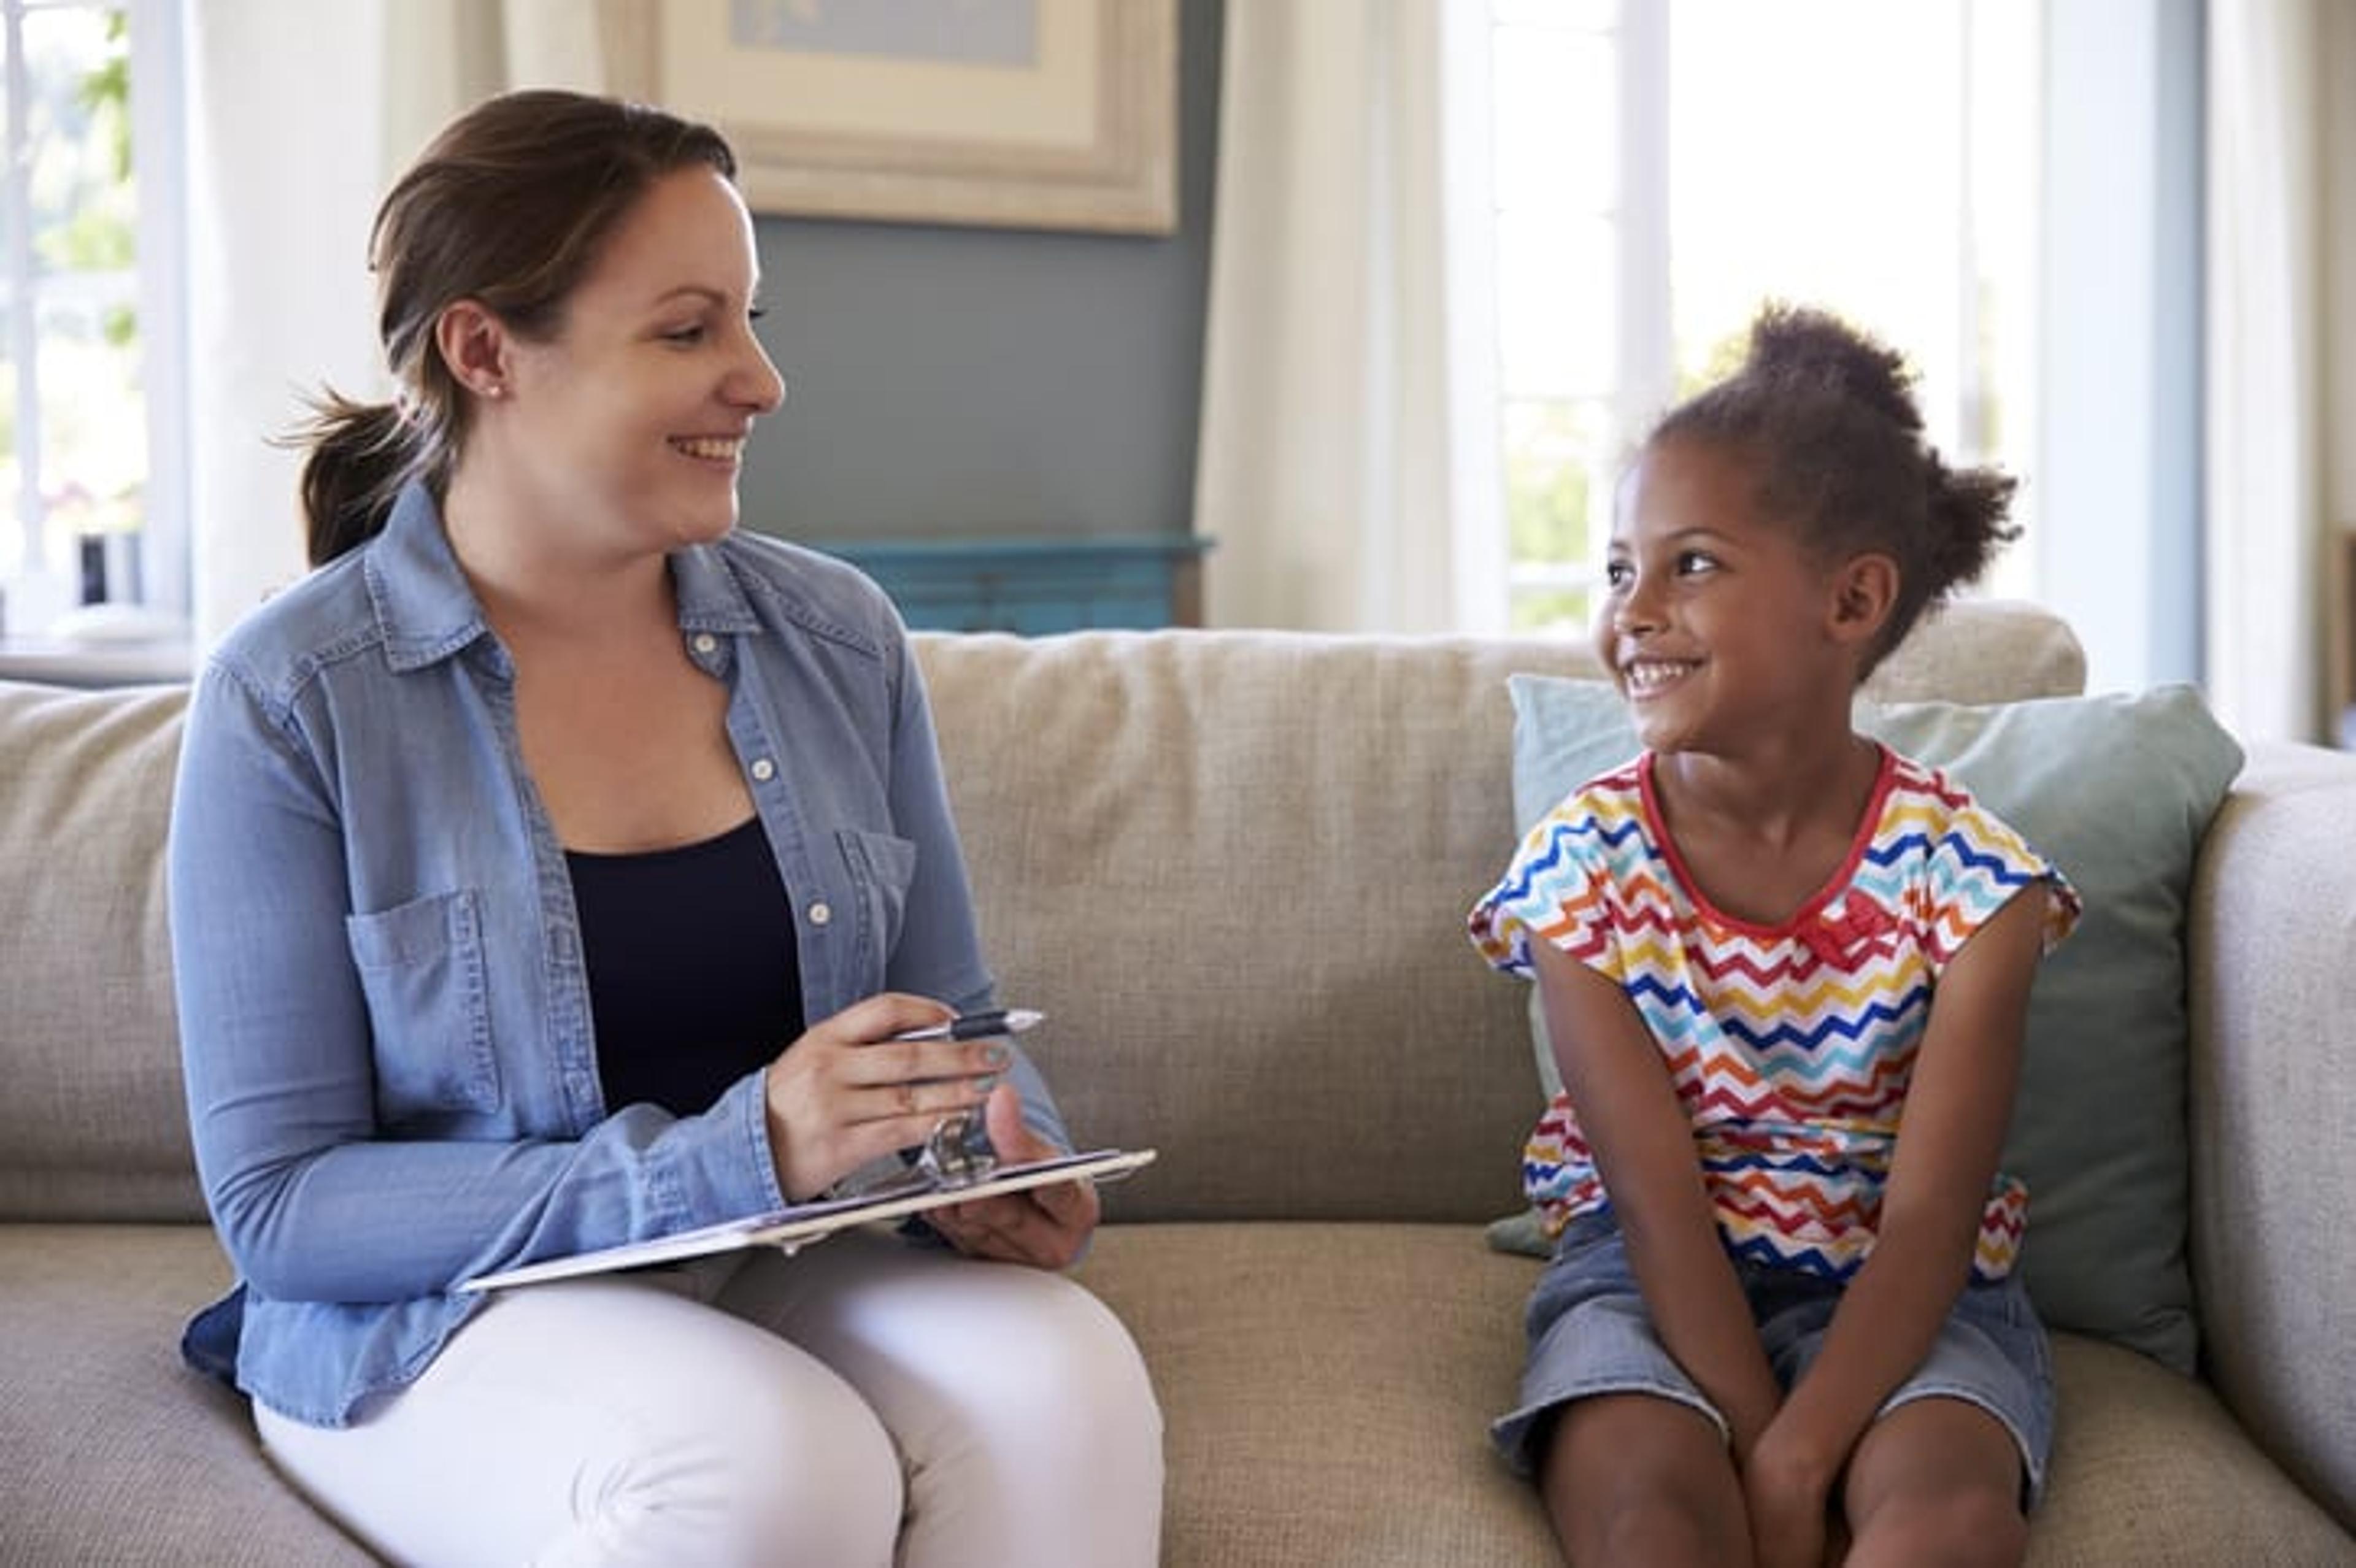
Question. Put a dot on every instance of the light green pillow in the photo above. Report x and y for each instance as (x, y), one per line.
(2116, 791)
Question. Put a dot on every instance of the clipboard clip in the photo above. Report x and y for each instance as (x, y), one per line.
(956, 1152)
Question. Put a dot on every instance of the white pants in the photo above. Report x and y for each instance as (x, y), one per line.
(862, 1403)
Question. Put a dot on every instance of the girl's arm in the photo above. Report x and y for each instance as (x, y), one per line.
(1643, 1146)
(1951, 1135)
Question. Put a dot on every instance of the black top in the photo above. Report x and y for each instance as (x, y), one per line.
(692, 978)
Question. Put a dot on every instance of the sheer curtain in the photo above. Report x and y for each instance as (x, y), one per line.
(2265, 375)
(299, 114)
(1347, 469)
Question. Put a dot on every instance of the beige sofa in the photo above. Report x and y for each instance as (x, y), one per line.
(1233, 869)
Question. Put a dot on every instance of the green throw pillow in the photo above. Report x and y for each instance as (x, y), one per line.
(2116, 791)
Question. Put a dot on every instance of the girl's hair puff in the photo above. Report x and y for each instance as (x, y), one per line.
(1827, 415)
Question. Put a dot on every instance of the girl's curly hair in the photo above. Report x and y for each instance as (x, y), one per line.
(1828, 416)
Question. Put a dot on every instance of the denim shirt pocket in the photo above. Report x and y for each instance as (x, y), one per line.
(423, 970)
(882, 866)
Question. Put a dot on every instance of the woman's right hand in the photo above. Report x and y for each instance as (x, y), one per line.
(846, 1093)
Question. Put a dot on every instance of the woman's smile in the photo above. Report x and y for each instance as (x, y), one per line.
(720, 449)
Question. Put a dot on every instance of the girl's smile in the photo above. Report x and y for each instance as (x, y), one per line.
(1644, 678)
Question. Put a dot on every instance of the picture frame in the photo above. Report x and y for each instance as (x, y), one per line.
(1058, 115)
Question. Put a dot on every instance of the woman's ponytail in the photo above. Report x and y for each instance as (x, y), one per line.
(360, 455)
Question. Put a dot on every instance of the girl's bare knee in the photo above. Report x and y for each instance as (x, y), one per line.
(1960, 1525)
(1637, 1479)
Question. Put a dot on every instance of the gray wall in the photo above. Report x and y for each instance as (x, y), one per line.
(949, 383)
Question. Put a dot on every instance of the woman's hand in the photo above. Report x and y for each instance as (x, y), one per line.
(846, 1093)
(1043, 1226)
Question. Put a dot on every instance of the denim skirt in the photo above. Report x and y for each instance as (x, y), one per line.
(1589, 1333)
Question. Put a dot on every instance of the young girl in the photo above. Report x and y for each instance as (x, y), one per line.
(1785, 972)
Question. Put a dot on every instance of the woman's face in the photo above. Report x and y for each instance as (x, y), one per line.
(627, 430)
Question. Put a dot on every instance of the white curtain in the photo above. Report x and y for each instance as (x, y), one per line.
(2266, 373)
(299, 115)
(1347, 470)
(2336, 55)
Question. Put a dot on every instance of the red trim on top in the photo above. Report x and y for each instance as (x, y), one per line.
(1868, 825)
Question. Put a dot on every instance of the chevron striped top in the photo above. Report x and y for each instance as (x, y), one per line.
(1791, 1046)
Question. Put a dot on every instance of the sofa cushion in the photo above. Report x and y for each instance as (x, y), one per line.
(117, 1453)
(2273, 1094)
(2118, 790)
(1059, 749)
(1231, 868)
(1304, 1368)
(93, 1125)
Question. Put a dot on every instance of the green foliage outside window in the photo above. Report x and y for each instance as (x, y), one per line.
(1554, 452)
(99, 228)
(82, 210)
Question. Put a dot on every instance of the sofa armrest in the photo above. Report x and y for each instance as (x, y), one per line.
(2272, 1087)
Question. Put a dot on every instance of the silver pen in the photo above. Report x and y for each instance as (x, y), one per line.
(977, 1026)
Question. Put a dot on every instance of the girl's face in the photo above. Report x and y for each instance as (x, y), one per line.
(630, 422)
(1717, 624)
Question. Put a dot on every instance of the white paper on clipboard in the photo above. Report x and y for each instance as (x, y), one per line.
(802, 1223)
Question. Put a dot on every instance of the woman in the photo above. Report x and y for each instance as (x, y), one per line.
(550, 869)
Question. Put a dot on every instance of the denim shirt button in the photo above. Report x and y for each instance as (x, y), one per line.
(765, 769)
(705, 642)
(820, 912)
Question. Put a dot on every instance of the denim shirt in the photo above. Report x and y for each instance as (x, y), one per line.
(384, 1016)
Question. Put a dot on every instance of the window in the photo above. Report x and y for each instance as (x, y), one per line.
(1662, 166)
(91, 486)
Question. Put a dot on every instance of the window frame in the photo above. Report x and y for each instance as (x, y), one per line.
(1644, 351)
(44, 586)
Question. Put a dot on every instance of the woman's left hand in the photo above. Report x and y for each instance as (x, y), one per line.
(1046, 1227)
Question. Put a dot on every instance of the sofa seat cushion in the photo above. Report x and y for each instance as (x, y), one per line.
(1312, 1376)
(117, 1453)
(2150, 1468)
(1326, 1390)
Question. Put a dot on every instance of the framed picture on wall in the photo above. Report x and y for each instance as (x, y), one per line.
(1011, 113)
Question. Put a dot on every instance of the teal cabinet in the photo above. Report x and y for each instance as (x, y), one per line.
(1035, 587)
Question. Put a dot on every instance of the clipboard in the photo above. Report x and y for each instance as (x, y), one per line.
(798, 1225)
